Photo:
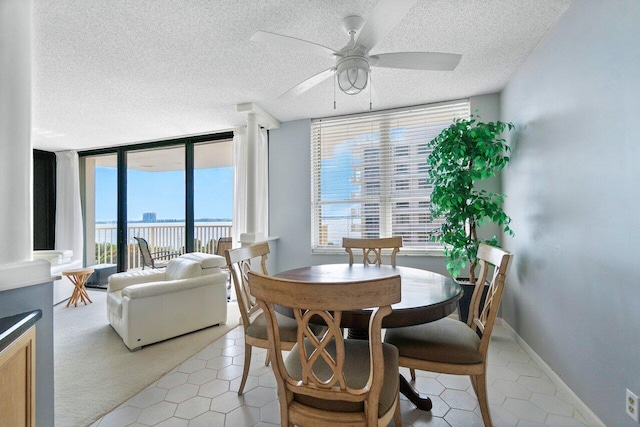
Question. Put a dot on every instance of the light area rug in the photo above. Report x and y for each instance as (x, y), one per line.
(94, 372)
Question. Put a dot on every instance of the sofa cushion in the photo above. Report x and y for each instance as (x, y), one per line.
(55, 257)
(119, 281)
(182, 268)
(114, 302)
(56, 270)
(206, 260)
(145, 290)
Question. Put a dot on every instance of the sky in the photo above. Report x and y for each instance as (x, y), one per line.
(164, 194)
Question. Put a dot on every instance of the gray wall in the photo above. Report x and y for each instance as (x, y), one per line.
(290, 195)
(30, 298)
(574, 294)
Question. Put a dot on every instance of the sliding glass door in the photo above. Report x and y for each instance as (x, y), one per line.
(155, 202)
(213, 194)
(101, 209)
(177, 195)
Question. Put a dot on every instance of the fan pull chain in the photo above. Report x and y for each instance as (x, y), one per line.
(370, 103)
(335, 76)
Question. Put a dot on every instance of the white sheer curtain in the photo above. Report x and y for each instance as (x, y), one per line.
(241, 175)
(68, 209)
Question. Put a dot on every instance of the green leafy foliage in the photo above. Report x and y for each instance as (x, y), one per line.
(464, 153)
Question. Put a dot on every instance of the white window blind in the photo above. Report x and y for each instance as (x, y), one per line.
(369, 175)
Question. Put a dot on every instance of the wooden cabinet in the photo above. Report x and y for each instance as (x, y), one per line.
(17, 381)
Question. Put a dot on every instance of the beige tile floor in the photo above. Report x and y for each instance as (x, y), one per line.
(202, 391)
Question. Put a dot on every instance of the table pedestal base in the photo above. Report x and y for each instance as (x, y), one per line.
(358, 334)
(421, 401)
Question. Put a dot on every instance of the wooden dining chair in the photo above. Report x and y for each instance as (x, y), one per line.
(372, 248)
(450, 346)
(330, 380)
(253, 320)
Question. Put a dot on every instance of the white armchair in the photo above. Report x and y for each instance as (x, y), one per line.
(148, 306)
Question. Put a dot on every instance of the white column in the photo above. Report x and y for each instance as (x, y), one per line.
(256, 117)
(16, 155)
(252, 144)
(16, 212)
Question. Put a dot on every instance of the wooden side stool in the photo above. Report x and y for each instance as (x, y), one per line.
(78, 278)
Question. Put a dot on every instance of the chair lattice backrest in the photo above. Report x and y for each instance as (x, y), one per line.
(372, 248)
(239, 262)
(322, 358)
(497, 262)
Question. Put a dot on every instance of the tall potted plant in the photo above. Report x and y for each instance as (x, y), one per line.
(466, 152)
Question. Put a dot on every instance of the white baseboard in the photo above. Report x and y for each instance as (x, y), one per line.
(590, 417)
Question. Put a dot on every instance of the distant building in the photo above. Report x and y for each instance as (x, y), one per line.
(149, 217)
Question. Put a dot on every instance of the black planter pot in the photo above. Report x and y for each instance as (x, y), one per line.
(465, 302)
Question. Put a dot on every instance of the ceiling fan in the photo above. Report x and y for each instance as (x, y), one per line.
(353, 62)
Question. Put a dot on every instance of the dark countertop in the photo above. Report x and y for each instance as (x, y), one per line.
(12, 327)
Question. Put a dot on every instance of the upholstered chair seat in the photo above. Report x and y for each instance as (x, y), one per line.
(446, 340)
(287, 326)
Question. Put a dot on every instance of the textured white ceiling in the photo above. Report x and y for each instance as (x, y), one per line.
(112, 72)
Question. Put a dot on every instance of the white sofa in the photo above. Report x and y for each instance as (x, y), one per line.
(148, 306)
(60, 261)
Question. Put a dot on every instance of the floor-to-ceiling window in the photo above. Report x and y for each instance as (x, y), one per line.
(101, 211)
(177, 195)
(156, 202)
(213, 193)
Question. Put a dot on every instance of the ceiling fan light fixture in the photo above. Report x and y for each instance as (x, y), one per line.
(353, 74)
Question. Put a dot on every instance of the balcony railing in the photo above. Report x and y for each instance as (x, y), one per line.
(161, 238)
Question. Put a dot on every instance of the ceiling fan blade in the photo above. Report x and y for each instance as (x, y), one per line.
(308, 84)
(293, 43)
(384, 17)
(416, 60)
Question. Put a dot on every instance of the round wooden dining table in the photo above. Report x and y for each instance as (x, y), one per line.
(426, 296)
